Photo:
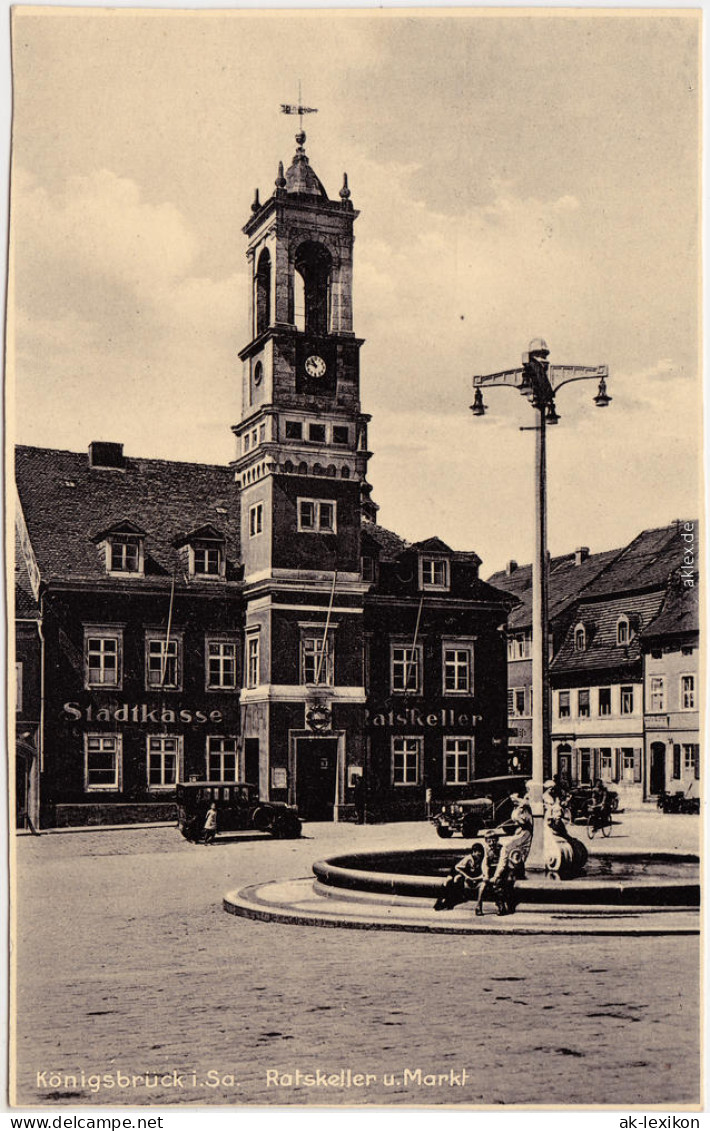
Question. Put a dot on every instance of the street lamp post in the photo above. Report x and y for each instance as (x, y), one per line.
(540, 382)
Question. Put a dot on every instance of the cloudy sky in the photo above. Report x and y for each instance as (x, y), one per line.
(518, 175)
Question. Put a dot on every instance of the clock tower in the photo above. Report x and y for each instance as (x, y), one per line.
(301, 469)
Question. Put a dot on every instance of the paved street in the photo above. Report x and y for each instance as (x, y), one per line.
(129, 967)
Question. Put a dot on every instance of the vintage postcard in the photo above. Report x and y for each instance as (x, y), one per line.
(354, 481)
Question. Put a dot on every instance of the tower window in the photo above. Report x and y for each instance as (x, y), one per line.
(294, 430)
(256, 519)
(313, 265)
(262, 292)
(316, 515)
(316, 433)
(341, 434)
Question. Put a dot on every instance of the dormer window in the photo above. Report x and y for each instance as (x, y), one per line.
(123, 547)
(207, 559)
(580, 638)
(206, 552)
(623, 630)
(433, 573)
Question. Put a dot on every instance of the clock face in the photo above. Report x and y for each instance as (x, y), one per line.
(315, 366)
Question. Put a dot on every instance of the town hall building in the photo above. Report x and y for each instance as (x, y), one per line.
(254, 622)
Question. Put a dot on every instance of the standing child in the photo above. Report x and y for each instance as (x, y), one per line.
(210, 829)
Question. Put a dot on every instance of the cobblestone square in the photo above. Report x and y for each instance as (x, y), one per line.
(134, 987)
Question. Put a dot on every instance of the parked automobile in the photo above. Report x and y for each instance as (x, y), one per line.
(578, 802)
(678, 802)
(238, 807)
(488, 804)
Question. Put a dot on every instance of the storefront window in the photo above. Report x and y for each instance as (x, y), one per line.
(102, 766)
(457, 761)
(163, 761)
(221, 758)
(405, 760)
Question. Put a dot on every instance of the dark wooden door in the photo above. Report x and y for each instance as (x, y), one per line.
(316, 764)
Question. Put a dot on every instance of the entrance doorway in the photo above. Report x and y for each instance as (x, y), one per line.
(657, 777)
(316, 767)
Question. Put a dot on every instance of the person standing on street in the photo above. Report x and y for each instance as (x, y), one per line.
(210, 828)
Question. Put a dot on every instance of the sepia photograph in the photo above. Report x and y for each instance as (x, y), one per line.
(326, 559)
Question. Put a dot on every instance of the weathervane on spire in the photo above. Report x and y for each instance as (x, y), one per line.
(300, 109)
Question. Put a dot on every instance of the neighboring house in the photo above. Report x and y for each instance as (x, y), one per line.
(671, 653)
(604, 651)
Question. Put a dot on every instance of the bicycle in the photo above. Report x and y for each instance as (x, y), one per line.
(599, 822)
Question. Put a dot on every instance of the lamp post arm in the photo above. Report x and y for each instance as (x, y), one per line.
(512, 378)
(576, 373)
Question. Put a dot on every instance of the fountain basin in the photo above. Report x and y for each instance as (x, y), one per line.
(628, 879)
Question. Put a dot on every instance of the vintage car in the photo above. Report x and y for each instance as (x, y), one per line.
(488, 804)
(238, 807)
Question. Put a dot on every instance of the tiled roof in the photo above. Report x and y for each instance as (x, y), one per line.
(389, 544)
(567, 581)
(600, 619)
(66, 503)
(679, 613)
(646, 563)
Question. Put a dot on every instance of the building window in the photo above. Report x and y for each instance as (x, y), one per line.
(580, 638)
(316, 433)
(367, 567)
(207, 559)
(687, 650)
(252, 664)
(163, 761)
(563, 708)
(317, 659)
(517, 702)
(657, 690)
(583, 707)
(457, 761)
(163, 661)
(433, 573)
(630, 764)
(687, 693)
(102, 657)
(341, 434)
(405, 761)
(458, 664)
(406, 669)
(125, 553)
(604, 700)
(606, 764)
(623, 630)
(221, 758)
(221, 665)
(102, 762)
(294, 430)
(519, 646)
(256, 519)
(691, 760)
(316, 515)
(627, 700)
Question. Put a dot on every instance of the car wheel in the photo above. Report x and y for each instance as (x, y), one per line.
(286, 828)
(614, 806)
(444, 832)
(470, 826)
(262, 820)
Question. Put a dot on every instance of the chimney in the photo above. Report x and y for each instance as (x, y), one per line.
(104, 454)
(511, 567)
(581, 554)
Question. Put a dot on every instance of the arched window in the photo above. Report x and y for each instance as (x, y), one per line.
(345, 472)
(313, 265)
(331, 471)
(288, 467)
(580, 638)
(303, 468)
(623, 630)
(262, 292)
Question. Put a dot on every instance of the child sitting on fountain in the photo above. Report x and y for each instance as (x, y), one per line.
(465, 881)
